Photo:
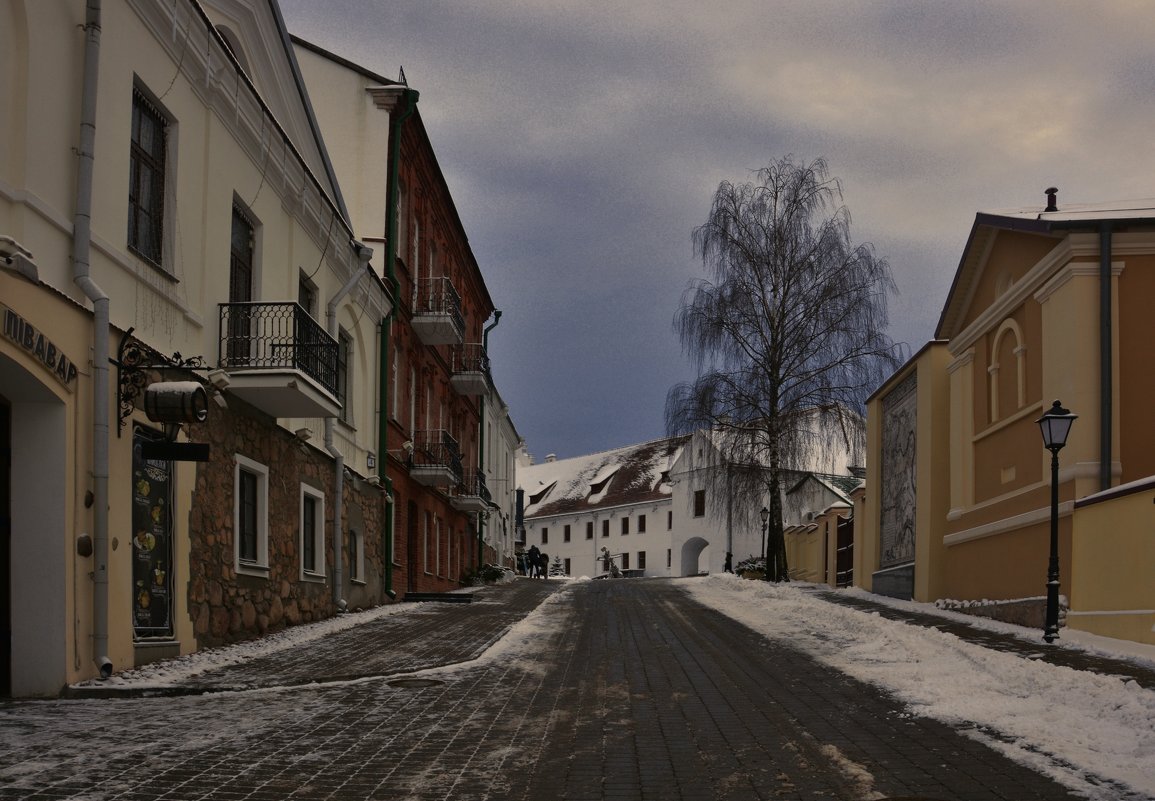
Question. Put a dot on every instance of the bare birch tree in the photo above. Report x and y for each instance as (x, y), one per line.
(787, 334)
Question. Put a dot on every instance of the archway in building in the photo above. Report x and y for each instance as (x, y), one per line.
(38, 550)
(691, 553)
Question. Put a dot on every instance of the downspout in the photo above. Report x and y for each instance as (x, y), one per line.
(81, 251)
(410, 96)
(1106, 381)
(481, 433)
(364, 254)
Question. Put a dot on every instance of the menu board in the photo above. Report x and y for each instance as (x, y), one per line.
(151, 541)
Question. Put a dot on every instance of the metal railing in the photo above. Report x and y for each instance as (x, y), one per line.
(438, 296)
(470, 358)
(474, 485)
(437, 448)
(277, 336)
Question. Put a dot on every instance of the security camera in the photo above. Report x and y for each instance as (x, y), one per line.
(407, 446)
(219, 378)
(374, 481)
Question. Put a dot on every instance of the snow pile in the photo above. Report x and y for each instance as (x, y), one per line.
(1059, 721)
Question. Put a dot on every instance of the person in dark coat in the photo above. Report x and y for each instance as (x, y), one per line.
(543, 565)
(531, 561)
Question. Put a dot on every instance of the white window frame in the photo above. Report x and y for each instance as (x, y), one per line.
(259, 566)
(307, 491)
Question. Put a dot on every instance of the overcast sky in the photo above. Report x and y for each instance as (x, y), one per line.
(582, 142)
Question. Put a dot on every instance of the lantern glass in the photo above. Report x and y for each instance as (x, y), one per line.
(1055, 426)
(764, 514)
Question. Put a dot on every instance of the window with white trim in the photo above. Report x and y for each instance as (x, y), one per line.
(250, 516)
(312, 533)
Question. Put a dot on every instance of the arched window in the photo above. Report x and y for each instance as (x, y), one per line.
(1007, 371)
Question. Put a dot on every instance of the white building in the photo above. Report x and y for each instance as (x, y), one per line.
(661, 508)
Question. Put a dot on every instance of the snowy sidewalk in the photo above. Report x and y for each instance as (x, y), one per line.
(390, 640)
(1017, 640)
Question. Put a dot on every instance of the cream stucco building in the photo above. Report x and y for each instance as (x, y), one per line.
(1048, 303)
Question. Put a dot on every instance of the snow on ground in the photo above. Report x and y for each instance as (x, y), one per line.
(174, 671)
(1059, 721)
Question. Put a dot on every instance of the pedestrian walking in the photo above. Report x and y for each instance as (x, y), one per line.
(531, 561)
(543, 565)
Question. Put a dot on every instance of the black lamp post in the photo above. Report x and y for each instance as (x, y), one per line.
(1055, 425)
(765, 515)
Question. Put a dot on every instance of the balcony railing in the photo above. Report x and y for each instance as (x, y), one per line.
(436, 459)
(437, 315)
(473, 495)
(469, 369)
(277, 336)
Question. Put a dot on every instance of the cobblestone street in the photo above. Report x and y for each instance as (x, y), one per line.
(608, 689)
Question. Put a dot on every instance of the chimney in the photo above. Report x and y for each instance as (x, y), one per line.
(1052, 192)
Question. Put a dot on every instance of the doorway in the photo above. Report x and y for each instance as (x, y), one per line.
(5, 548)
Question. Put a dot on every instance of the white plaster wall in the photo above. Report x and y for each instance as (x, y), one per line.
(39, 545)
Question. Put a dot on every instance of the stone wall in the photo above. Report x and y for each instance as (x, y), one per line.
(228, 607)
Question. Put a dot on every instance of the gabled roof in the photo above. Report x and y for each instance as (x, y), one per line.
(1056, 224)
(840, 486)
(271, 69)
(628, 475)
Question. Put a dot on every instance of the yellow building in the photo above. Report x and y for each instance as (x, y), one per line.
(164, 190)
(1048, 303)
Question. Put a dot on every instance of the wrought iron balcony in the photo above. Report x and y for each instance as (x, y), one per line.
(473, 495)
(437, 316)
(469, 369)
(436, 459)
(279, 359)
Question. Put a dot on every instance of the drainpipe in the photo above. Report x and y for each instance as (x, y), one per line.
(410, 97)
(481, 434)
(364, 254)
(81, 250)
(1106, 386)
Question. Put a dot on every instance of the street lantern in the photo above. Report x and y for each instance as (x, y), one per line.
(765, 515)
(1055, 425)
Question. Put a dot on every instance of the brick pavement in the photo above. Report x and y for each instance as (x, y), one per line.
(423, 636)
(622, 690)
(664, 698)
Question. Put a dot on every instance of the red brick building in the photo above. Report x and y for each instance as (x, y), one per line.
(434, 370)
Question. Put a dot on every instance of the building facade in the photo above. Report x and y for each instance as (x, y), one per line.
(662, 508)
(189, 342)
(440, 425)
(1047, 303)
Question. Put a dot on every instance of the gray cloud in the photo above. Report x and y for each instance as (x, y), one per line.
(582, 143)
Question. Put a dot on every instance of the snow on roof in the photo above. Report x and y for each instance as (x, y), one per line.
(1074, 212)
(634, 473)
